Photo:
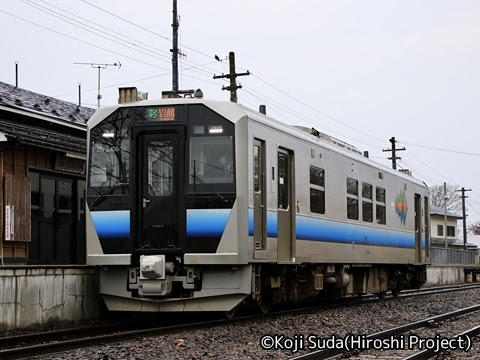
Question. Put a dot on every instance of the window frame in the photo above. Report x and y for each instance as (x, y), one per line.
(380, 206)
(367, 202)
(317, 191)
(352, 199)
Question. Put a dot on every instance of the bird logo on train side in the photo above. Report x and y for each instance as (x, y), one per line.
(401, 207)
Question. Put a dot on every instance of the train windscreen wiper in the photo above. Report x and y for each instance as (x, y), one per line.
(109, 191)
(213, 191)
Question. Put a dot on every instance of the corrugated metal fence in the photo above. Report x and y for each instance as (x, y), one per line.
(449, 256)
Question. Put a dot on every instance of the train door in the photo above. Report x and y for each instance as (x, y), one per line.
(418, 229)
(160, 180)
(259, 200)
(286, 211)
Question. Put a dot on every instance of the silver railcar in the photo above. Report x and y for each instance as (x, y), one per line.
(196, 205)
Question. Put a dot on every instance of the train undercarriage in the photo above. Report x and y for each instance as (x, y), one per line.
(225, 288)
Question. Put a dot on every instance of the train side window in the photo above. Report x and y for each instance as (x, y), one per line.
(283, 181)
(367, 202)
(352, 199)
(256, 168)
(317, 190)
(380, 206)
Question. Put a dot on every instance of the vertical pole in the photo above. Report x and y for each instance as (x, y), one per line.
(98, 94)
(175, 48)
(79, 94)
(394, 154)
(16, 74)
(445, 214)
(233, 88)
(464, 220)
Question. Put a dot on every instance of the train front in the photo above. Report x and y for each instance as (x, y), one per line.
(163, 218)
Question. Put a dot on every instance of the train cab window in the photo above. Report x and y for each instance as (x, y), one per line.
(380, 206)
(367, 202)
(211, 154)
(317, 190)
(352, 199)
(110, 154)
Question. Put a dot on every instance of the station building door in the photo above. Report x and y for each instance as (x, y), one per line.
(58, 218)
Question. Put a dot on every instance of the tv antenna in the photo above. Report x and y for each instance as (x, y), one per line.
(100, 67)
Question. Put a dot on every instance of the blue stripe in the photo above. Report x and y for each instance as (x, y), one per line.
(212, 222)
(344, 233)
(207, 222)
(112, 224)
(314, 229)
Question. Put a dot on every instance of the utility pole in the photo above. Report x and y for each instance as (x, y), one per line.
(175, 48)
(233, 78)
(464, 217)
(445, 198)
(394, 150)
(100, 67)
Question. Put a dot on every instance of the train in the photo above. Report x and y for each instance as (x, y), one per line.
(203, 205)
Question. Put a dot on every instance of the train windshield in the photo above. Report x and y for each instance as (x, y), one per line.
(211, 165)
(110, 154)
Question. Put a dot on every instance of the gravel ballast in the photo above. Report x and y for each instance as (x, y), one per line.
(243, 340)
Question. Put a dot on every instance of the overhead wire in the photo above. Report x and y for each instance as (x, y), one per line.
(251, 92)
(98, 47)
(315, 123)
(148, 51)
(141, 27)
(94, 24)
(439, 149)
(81, 41)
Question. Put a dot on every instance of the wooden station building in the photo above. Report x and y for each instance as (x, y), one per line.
(42, 178)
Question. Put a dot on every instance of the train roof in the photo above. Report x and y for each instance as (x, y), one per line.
(235, 112)
(313, 136)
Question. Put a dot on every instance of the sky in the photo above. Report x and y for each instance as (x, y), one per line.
(363, 71)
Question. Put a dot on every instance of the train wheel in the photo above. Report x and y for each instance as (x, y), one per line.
(395, 292)
(381, 294)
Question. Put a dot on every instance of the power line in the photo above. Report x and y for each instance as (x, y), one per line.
(318, 111)
(440, 149)
(260, 79)
(98, 47)
(93, 31)
(141, 27)
(81, 41)
(196, 67)
(148, 50)
(94, 24)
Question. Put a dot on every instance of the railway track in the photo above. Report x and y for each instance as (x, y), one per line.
(70, 339)
(393, 339)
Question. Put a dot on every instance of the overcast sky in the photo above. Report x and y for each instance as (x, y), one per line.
(361, 71)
